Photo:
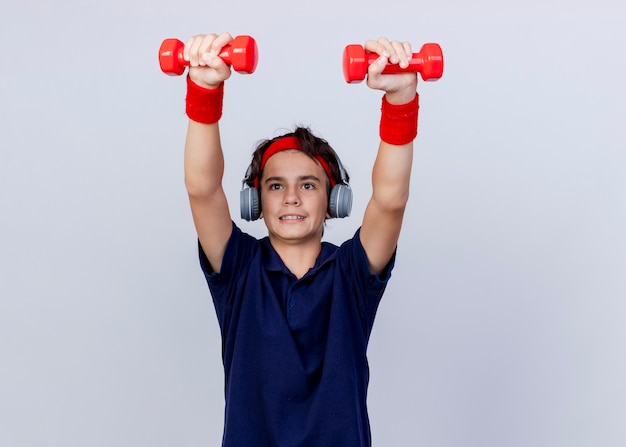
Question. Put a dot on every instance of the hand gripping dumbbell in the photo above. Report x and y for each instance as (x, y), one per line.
(241, 53)
(428, 62)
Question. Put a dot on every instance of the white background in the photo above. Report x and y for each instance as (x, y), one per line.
(503, 324)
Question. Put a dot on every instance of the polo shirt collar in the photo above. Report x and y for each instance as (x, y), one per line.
(273, 262)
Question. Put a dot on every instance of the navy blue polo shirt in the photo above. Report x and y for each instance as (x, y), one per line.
(294, 350)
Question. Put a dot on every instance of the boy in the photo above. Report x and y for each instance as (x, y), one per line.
(295, 314)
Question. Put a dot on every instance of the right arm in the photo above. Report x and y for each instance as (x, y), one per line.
(204, 159)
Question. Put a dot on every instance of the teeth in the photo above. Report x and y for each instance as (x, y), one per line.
(291, 217)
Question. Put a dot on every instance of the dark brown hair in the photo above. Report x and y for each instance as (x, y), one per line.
(312, 146)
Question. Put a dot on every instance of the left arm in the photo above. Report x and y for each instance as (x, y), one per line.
(391, 173)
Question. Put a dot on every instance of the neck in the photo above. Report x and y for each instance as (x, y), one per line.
(298, 258)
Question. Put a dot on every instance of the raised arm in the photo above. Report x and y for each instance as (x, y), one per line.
(392, 169)
(204, 160)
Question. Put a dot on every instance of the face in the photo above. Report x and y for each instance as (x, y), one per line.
(294, 198)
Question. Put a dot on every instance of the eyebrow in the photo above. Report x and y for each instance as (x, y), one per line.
(300, 178)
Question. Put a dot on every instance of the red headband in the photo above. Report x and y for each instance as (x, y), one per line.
(287, 143)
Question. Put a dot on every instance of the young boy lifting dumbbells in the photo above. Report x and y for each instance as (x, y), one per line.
(296, 313)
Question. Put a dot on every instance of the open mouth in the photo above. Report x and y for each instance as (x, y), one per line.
(291, 217)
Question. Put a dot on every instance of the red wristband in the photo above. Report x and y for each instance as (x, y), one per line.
(204, 105)
(398, 123)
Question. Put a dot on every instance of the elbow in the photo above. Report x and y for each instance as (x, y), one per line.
(193, 187)
(200, 188)
(396, 207)
(392, 201)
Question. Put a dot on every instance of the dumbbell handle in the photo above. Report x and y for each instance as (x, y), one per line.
(241, 53)
(428, 62)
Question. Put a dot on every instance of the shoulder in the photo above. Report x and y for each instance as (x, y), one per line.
(353, 253)
(240, 245)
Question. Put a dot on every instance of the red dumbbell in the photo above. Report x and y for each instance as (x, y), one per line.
(241, 53)
(428, 62)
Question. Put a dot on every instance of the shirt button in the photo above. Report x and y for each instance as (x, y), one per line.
(292, 303)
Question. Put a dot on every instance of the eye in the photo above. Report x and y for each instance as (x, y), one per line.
(274, 186)
(308, 186)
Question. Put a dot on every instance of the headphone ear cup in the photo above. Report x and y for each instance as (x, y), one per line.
(340, 201)
(249, 204)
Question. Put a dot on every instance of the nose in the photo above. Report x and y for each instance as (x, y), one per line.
(292, 196)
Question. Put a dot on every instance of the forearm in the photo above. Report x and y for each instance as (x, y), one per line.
(204, 160)
(391, 173)
(391, 176)
(383, 217)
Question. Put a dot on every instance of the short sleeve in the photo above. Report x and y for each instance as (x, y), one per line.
(368, 288)
(226, 284)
